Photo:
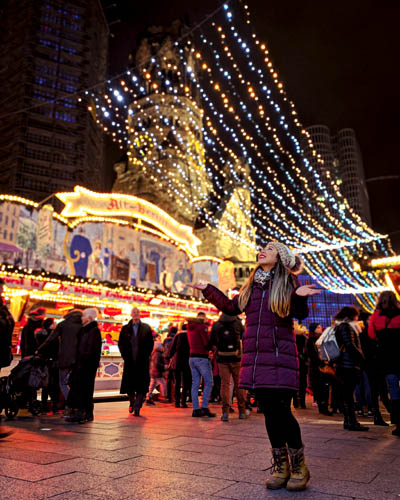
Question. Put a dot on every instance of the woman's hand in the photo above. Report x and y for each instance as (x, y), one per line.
(307, 291)
(198, 286)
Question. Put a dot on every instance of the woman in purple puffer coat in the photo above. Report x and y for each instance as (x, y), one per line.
(270, 299)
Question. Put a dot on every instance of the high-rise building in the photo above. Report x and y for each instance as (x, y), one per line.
(341, 156)
(50, 49)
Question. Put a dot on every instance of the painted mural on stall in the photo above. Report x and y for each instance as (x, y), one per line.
(100, 250)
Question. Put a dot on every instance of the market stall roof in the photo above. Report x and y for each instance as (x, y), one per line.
(75, 290)
(6, 247)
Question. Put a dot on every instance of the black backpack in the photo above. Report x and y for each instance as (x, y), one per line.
(228, 343)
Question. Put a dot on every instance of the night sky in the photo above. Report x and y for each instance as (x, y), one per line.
(339, 64)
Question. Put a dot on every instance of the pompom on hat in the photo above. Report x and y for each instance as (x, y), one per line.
(290, 261)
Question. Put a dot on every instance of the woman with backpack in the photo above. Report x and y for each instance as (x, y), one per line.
(270, 299)
(349, 362)
(384, 327)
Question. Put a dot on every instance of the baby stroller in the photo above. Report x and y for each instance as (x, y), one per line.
(18, 390)
(8, 401)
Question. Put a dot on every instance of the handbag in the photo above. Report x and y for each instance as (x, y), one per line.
(328, 370)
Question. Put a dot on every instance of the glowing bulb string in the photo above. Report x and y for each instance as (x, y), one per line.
(247, 55)
(230, 81)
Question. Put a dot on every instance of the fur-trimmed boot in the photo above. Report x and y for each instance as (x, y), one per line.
(299, 474)
(280, 471)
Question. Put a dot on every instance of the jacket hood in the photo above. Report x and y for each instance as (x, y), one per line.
(197, 320)
(226, 318)
(36, 322)
(74, 314)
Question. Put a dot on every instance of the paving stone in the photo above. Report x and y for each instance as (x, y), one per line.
(76, 481)
(13, 489)
(75, 495)
(32, 472)
(245, 491)
(185, 482)
(34, 457)
(98, 467)
(235, 474)
(118, 490)
(168, 464)
(217, 450)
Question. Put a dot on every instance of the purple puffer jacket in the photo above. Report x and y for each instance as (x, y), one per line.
(269, 346)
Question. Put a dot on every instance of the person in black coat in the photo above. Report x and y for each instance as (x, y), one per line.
(299, 399)
(167, 347)
(349, 363)
(83, 375)
(50, 352)
(28, 341)
(318, 381)
(67, 332)
(179, 354)
(6, 329)
(136, 345)
(373, 370)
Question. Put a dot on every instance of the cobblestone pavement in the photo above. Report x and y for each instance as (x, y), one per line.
(166, 454)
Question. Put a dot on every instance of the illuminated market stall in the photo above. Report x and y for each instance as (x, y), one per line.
(108, 251)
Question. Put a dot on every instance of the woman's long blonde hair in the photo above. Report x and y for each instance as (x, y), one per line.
(281, 288)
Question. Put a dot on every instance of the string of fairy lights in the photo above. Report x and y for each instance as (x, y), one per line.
(279, 170)
(234, 126)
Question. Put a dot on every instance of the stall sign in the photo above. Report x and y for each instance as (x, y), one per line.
(112, 311)
(83, 202)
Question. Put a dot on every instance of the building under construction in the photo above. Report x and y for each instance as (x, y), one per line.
(50, 50)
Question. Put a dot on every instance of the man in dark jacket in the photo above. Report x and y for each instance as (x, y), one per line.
(136, 345)
(67, 330)
(199, 342)
(83, 374)
(179, 354)
(28, 341)
(349, 363)
(226, 334)
(6, 329)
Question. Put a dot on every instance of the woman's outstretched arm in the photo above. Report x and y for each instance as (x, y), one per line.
(219, 299)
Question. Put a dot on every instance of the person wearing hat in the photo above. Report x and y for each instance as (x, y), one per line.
(28, 340)
(270, 298)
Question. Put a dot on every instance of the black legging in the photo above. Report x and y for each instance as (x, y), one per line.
(282, 428)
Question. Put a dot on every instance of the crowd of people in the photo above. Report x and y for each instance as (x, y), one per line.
(262, 364)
